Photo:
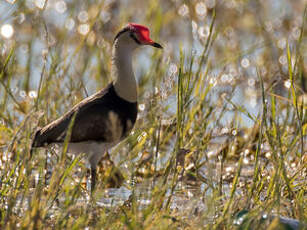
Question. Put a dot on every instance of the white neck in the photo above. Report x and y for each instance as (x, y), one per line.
(122, 72)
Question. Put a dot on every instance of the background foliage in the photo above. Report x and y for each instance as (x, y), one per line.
(220, 140)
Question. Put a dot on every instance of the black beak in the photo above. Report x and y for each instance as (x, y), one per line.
(157, 45)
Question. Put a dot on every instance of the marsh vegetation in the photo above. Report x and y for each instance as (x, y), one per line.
(222, 123)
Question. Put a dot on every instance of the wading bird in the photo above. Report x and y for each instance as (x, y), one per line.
(105, 118)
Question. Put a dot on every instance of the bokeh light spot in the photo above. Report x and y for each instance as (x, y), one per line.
(83, 16)
(7, 30)
(84, 29)
(245, 63)
(201, 9)
(60, 7)
(287, 84)
(183, 10)
(70, 24)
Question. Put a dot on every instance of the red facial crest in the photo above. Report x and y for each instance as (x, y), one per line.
(143, 33)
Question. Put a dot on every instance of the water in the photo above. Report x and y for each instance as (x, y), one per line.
(233, 65)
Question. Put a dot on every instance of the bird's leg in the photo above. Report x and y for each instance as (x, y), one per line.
(93, 178)
(46, 169)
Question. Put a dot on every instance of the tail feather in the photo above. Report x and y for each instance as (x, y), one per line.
(35, 141)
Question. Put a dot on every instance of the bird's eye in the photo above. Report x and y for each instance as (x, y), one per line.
(133, 36)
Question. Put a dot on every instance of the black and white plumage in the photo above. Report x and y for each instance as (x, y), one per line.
(105, 118)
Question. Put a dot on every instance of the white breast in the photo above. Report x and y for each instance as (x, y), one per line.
(93, 150)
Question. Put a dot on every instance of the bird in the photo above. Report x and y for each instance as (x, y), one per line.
(104, 119)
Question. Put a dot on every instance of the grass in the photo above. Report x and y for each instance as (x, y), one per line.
(200, 156)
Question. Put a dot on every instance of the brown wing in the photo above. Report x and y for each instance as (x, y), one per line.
(103, 117)
(56, 130)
